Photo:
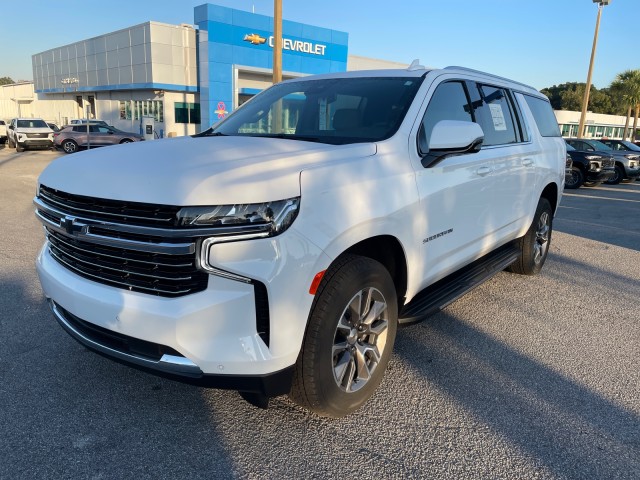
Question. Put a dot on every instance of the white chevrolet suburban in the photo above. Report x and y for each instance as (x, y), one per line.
(277, 252)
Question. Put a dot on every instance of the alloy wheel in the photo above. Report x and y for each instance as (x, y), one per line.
(360, 339)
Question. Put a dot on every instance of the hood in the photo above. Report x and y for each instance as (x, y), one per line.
(195, 171)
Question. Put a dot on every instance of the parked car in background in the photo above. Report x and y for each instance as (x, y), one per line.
(627, 165)
(83, 121)
(3, 132)
(53, 127)
(623, 146)
(589, 168)
(73, 137)
(23, 133)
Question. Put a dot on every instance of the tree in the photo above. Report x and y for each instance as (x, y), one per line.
(568, 96)
(6, 80)
(627, 88)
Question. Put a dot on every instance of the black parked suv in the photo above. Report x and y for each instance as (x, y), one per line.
(627, 167)
(589, 168)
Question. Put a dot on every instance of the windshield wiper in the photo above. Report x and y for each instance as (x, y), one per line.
(209, 133)
(303, 138)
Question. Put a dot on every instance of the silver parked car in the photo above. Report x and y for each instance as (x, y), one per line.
(73, 137)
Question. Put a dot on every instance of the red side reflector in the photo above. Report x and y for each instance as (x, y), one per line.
(316, 282)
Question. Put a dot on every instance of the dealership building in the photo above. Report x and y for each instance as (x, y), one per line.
(182, 77)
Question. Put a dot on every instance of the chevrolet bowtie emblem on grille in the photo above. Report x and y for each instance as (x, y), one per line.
(254, 39)
(70, 225)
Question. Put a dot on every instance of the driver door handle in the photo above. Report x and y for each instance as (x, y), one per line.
(482, 171)
(527, 162)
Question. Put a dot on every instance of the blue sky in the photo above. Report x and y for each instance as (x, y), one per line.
(539, 42)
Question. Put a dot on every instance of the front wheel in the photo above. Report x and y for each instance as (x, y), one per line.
(575, 180)
(534, 245)
(349, 338)
(591, 184)
(19, 148)
(617, 178)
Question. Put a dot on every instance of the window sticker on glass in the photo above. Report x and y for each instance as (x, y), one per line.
(322, 114)
(498, 116)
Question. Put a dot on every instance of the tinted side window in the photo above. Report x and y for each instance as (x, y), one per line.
(543, 115)
(449, 102)
(495, 116)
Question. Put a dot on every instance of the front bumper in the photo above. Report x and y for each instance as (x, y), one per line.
(600, 175)
(213, 333)
(36, 143)
(151, 358)
(632, 173)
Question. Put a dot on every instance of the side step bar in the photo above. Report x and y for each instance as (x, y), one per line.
(437, 296)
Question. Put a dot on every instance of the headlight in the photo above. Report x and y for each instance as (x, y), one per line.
(591, 157)
(631, 156)
(279, 215)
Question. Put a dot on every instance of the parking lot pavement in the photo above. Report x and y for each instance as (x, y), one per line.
(525, 377)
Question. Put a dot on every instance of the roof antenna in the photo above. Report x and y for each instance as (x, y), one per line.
(415, 65)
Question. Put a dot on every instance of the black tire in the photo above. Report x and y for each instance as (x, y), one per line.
(591, 184)
(125, 140)
(575, 180)
(618, 177)
(336, 371)
(69, 146)
(534, 245)
(19, 148)
(10, 143)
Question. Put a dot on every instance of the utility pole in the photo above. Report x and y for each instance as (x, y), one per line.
(277, 41)
(277, 63)
(585, 99)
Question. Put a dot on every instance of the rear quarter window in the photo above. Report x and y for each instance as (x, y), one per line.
(543, 115)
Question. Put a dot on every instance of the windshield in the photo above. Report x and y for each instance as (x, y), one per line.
(32, 124)
(630, 146)
(599, 145)
(337, 110)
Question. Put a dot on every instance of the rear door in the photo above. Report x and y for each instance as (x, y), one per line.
(514, 158)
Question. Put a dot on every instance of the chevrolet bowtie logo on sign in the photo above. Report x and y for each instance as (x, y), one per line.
(255, 39)
(288, 44)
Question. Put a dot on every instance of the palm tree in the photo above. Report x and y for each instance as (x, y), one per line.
(627, 86)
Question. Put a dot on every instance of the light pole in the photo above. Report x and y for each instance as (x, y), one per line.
(585, 99)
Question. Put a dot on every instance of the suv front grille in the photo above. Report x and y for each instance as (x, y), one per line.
(133, 246)
(159, 274)
(608, 162)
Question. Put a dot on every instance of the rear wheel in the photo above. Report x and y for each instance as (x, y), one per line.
(69, 146)
(534, 245)
(575, 180)
(349, 338)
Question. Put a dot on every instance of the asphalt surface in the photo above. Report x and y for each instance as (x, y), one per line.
(525, 377)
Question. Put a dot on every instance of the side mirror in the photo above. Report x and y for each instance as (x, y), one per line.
(11, 127)
(449, 138)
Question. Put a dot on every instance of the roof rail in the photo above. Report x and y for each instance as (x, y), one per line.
(455, 67)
